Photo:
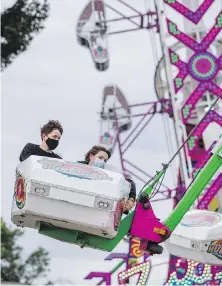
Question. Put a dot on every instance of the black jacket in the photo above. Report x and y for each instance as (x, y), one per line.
(33, 149)
(132, 193)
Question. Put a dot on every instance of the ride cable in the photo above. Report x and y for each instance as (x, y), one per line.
(165, 166)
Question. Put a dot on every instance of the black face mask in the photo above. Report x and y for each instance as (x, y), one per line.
(52, 143)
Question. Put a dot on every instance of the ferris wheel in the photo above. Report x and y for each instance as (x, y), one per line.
(188, 81)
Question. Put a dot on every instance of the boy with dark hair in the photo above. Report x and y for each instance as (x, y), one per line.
(51, 133)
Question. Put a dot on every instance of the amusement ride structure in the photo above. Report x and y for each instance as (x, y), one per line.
(188, 82)
(188, 86)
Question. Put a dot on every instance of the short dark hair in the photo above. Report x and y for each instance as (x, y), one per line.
(95, 150)
(50, 126)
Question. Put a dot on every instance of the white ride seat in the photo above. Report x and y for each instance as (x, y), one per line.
(198, 237)
(98, 45)
(68, 195)
(112, 168)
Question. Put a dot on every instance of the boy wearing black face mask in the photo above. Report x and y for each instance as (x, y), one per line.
(50, 135)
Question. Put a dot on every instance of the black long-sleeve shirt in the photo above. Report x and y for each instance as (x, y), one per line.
(33, 149)
(132, 193)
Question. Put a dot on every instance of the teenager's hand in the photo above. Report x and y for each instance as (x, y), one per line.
(129, 204)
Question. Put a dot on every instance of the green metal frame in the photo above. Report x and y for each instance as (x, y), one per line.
(193, 192)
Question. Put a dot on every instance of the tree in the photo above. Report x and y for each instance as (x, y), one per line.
(13, 269)
(19, 24)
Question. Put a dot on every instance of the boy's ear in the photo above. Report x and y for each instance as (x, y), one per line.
(43, 136)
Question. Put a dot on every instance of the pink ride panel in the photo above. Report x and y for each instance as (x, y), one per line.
(144, 223)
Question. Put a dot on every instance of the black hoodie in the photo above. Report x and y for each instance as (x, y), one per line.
(33, 149)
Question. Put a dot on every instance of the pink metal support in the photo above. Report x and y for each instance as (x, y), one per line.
(121, 14)
(138, 124)
(205, 80)
(210, 193)
(151, 23)
(155, 107)
(137, 134)
(129, 6)
(146, 226)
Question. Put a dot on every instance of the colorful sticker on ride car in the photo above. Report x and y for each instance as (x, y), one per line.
(76, 170)
(20, 192)
(215, 248)
(134, 252)
(118, 214)
(200, 219)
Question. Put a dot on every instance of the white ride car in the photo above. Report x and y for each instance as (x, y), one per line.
(68, 195)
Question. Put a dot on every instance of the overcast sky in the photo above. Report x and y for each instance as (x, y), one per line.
(56, 79)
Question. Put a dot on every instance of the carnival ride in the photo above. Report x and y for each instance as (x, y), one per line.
(92, 28)
(186, 98)
(194, 237)
(187, 81)
(44, 185)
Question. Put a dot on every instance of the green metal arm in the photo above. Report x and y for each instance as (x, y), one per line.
(194, 191)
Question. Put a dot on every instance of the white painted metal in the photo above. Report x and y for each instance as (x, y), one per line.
(198, 237)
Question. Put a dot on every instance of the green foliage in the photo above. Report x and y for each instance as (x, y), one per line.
(19, 24)
(13, 269)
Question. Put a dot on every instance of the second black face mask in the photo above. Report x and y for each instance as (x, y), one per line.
(52, 143)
